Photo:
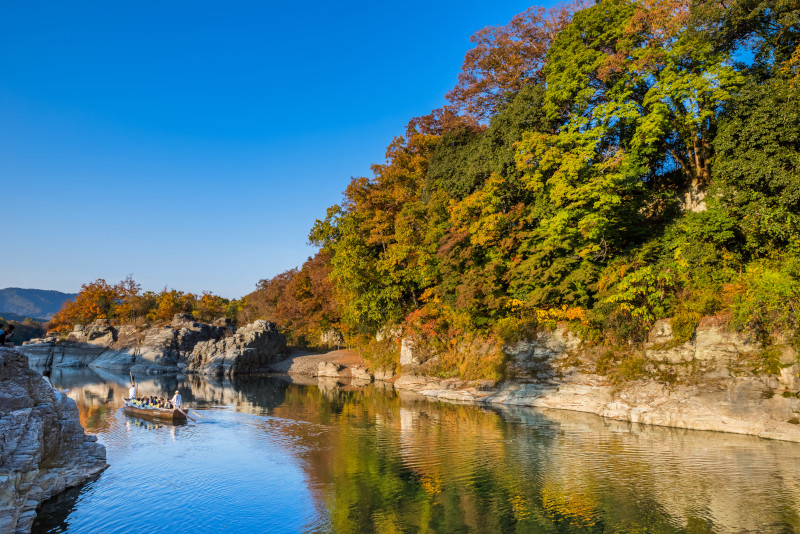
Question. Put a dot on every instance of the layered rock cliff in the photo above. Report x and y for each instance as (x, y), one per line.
(719, 380)
(43, 448)
(184, 345)
(251, 349)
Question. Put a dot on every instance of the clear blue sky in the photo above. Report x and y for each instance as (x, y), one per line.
(193, 144)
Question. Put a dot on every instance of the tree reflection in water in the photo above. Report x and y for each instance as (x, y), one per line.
(379, 461)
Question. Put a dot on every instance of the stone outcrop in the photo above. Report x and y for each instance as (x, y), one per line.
(707, 383)
(161, 349)
(251, 349)
(738, 405)
(410, 353)
(331, 338)
(43, 448)
(388, 333)
(534, 356)
(329, 369)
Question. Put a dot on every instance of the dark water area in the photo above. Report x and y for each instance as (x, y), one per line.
(268, 455)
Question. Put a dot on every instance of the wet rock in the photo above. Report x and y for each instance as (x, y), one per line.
(43, 449)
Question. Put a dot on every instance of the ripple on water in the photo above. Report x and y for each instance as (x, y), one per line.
(225, 474)
(306, 460)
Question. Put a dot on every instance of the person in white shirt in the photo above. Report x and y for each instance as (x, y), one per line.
(132, 391)
(176, 400)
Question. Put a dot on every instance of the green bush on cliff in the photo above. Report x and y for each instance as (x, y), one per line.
(766, 298)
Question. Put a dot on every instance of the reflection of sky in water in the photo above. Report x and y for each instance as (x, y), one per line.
(267, 456)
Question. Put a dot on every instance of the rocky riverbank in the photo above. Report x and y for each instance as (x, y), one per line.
(43, 448)
(183, 346)
(719, 380)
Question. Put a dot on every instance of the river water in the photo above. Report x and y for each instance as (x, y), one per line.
(269, 455)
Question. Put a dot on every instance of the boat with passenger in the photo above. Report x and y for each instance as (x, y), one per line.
(139, 409)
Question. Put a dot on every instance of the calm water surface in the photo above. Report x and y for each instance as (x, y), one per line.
(268, 455)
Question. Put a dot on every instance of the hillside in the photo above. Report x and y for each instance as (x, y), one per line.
(34, 303)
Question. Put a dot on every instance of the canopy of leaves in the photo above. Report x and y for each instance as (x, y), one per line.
(614, 164)
(126, 303)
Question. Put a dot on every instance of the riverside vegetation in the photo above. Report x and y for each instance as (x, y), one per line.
(604, 166)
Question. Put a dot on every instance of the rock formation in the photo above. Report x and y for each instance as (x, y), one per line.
(43, 448)
(706, 383)
(331, 338)
(251, 349)
(162, 349)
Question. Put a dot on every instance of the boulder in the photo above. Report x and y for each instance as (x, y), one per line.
(546, 345)
(383, 374)
(251, 349)
(331, 338)
(409, 353)
(661, 332)
(43, 449)
(358, 372)
(389, 333)
(328, 369)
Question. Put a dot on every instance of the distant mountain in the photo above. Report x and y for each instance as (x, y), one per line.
(17, 318)
(33, 303)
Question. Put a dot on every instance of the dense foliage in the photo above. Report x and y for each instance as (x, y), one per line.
(301, 301)
(126, 303)
(613, 164)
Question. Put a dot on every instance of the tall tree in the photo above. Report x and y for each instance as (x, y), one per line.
(506, 58)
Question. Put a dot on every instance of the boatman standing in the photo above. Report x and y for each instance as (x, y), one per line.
(132, 391)
(176, 400)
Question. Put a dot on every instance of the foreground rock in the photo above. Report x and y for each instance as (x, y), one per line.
(43, 448)
(183, 345)
(707, 383)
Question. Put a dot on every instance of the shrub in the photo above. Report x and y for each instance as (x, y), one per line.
(766, 297)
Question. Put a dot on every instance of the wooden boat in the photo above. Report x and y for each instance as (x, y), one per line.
(161, 414)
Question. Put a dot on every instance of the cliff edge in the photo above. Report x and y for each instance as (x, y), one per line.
(43, 448)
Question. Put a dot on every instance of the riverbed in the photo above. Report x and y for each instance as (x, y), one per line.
(267, 454)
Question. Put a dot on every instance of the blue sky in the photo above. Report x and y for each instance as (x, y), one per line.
(193, 144)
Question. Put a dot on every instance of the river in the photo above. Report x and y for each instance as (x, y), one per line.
(268, 455)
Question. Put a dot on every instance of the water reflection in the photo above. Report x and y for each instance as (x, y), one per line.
(269, 454)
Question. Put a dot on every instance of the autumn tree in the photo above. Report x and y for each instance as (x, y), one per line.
(95, 300)
(300, 301)
(168, 303)
(507, 58)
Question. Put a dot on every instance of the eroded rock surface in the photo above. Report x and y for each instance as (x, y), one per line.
(43, 448)
(169, 348)
(711, 386)
(251, 349)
